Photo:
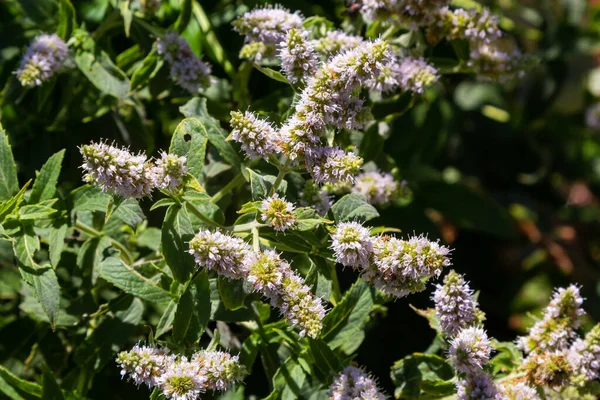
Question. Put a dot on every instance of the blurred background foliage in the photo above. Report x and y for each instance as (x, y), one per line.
(508, 175)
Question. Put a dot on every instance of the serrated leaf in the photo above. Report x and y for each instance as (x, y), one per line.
(9, 185)
(422, 372)
(288, 380)
(66, 19)
(275, 75)
(353, 207)
(193, 311)
(130, 281)
(50, 388)
(190, 139)
(176, 233)
(12, 206)
(56, 240)
(342, 324)
(147, 70)
(21, 384)
(41, 279)
(88, 198)
(44, 186)
(166, 320)
(261, 185)
(232, 293)
(196, 108)
(98, 67)
(35, 212)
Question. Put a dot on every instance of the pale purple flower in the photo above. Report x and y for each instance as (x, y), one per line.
(354, 384)
(170, 170)
(584, 355)
(518, 391)
(550, 368)
(493, 61)
(558, 325)
(298, 57)
(187, 70)
(473, 25)
(144, 364)
(219, 252)
(470, 350)
(352, 245)
(379, 188)
(268, 25)
(45, 56)
(219, 369)
(478, 386)
(415, 74)
(257, 136)
(455, 306)
(278, 213)
(117, 171)
(332, 165)
(401, 267)
(182, 380)
(413, 13)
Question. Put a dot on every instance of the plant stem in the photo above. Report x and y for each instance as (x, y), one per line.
(97, 234)
(255, 239)
(283, 171)
(233, 184)
(203, 218)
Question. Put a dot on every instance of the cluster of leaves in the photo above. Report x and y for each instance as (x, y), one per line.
(82, 279)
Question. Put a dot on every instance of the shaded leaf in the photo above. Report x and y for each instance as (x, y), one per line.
(353, 207)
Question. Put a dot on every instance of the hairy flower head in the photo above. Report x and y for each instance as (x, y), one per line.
(354, 383)
(298, 57)
(257, 136)
(170, 170)
(144, 364)
(470, 350)
(352, 245)
(187, 70)
(45, 55)
(378, 187)
(278, 213)
(220, 369)
(455, 306)
(219, 252)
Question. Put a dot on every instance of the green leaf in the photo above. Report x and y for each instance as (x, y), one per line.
(20, 384)
(193, 311)
(184, 16)
(166, 320)
(127, 14)
(232, 293)
(307, 219)
(35, 212)
(288, 380)
(12, 206)
(275, 75)
(39, 11)
(190, 140)
(130, 281)
(98, 67)
(42, 279)
(50, 389)
(176, 233)
(261, 185)
(507, 358)
(66, 19)
(9, 185)
(56, 240)
(422, 372)
(325, 359)
(466, 208)
(44, 186)
(353, 207)
(88, 198)
(196, 108)
(343, 324)
(128, 212)
(147, 70)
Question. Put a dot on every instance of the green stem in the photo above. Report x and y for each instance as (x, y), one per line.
(97, 234)
(233, 184)
(283, 171)
(255, 239)
(203, 218)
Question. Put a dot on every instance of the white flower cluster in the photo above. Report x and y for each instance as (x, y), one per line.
(298, 58)
(470, 350)
(557, 327)
(177, 377)
(278, 213)
(264, 28)
(119, 172)
(397, 267)
(353, 383)
(187, 70)
(328, 98)
(413, 13)
(518, 391)
(257, 136)
(415, 74)
(45, 55)
(379, 188)
(584, 355)
(335, 42)
(333, 165)
(455, 306)
(267, 272)
(473, 25)
(479, 386)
